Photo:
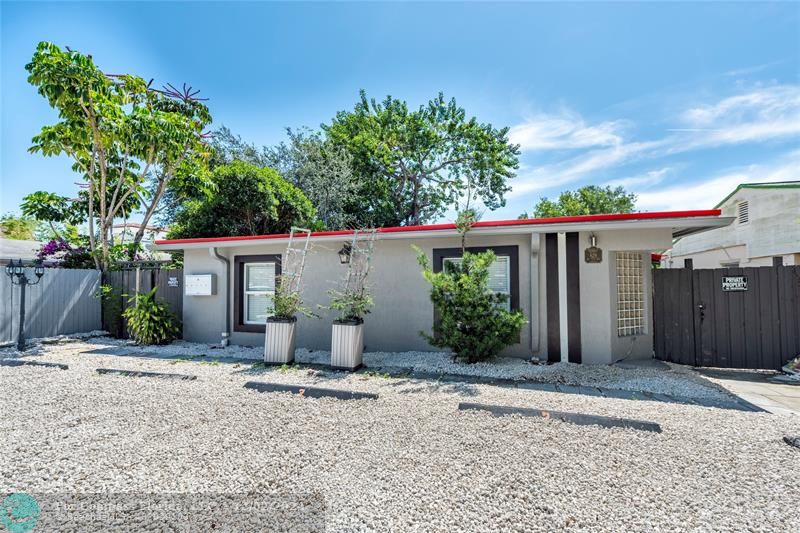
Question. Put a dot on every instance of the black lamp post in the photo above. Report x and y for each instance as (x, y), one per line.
(16, 272)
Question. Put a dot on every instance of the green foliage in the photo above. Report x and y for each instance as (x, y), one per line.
(287, 303)
(248, 201)
(150, 321)
(324, 172)
(472, 322)
(588, 200)
(414, 164)
(18, 228)
(309, 161)
(127, 140)
(111, 306)
(351, 305)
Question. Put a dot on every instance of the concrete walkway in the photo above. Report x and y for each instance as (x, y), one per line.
(756, 388)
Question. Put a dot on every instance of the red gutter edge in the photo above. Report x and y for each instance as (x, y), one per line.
(482, 224)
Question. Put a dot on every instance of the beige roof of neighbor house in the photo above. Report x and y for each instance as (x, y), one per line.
(681, 222)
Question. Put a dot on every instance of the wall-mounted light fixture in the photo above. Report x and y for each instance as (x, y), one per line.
(344, 253)
(593, 240)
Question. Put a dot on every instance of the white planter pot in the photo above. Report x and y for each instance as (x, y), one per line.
(279, 343)
(347, 346)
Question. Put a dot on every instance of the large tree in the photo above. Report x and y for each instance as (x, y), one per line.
(247, 200)
(314, 164)
(415, 164)
(126, 138)
(588, 200)
(323, 171)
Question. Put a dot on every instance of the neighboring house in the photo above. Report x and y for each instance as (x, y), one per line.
(592, 312)
(17, 249)
(766, 226)
(127, 231)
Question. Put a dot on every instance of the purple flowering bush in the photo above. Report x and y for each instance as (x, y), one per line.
(65, 255)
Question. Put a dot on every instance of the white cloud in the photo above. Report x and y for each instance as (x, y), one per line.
(647, 179)
(565, 130)
(708, 193)
(758, 115)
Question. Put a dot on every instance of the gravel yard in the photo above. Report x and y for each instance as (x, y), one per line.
(408, 461)
(677, 381)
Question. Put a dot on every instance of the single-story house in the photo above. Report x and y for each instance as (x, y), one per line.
(583, 282)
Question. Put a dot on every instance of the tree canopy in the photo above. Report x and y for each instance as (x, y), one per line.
(247, 200)
(128, 140)
(588, 200)
(18, 228)
(415, 164)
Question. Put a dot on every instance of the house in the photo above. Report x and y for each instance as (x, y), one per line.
(766, 230)
(18, 249)
(127, 231)
(583, 282)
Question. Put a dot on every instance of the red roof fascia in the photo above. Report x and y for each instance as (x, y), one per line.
(480, 224)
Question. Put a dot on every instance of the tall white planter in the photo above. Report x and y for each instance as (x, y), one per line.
(347, 346)
(279, 342)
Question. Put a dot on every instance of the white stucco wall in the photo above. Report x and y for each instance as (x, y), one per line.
(773, 230)
(402, 303)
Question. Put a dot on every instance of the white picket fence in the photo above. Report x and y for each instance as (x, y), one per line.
(63, 302)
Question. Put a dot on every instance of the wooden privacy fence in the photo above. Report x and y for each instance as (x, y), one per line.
(124, 285)
(64, 301)
(727, 317)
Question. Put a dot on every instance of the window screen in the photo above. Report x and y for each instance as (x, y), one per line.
(499, 276)
(630, 294)
(259, 287)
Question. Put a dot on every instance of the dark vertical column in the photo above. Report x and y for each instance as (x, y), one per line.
(553, 320)
(573, 298)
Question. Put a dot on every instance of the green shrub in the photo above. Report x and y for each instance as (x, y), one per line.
(352, 305)
(150, 321)
(471, 322)
(287, 304)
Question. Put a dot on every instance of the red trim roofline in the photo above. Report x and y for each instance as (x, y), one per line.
(481, 224)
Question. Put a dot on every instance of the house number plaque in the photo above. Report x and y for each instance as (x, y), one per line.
(593, 254)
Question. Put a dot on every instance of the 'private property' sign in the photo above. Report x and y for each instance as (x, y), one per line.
(734, 283)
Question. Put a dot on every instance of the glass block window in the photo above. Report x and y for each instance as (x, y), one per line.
(630, 294)
(499, 276)
(259, 287)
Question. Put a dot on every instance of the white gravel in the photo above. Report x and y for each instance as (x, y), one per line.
(406, 462)
(677, 381)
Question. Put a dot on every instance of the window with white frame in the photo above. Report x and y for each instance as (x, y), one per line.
(630, 294)
(258, 289)
(499, 276)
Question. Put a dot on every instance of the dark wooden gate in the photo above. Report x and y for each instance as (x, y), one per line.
(123, 285)
(727, 317)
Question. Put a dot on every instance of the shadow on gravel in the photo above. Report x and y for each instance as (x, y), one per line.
(143, 374)
(23, 362)
(573, 418)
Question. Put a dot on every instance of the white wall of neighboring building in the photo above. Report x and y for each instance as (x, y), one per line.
(772, 229)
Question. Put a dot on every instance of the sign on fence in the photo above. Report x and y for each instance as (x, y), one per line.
(734, 283)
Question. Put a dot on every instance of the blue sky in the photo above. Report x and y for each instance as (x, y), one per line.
(678, 102)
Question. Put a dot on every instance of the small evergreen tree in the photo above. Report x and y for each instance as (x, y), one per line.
(472, 322)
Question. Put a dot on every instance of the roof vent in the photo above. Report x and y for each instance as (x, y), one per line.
(743, 212)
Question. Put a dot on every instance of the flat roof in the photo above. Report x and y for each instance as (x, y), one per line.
(695, 220)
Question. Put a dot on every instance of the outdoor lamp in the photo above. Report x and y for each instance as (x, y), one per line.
(16, 271)
(344, 253)
(593, 240)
